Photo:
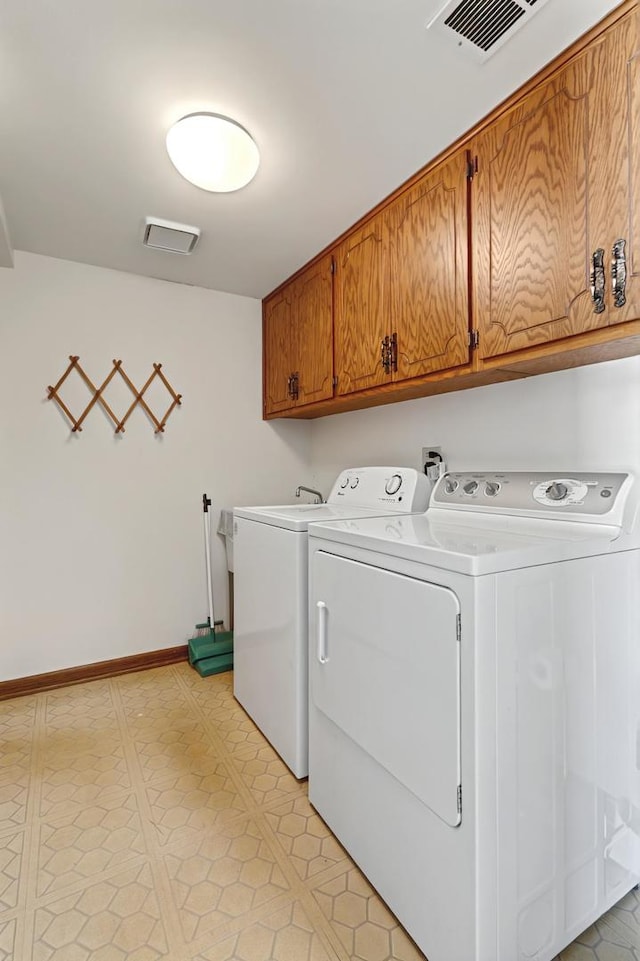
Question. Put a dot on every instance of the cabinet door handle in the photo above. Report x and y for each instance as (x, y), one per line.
(323, 612)
(597, 280)
(619, 273)
(295, 385)
(385, 355)
(394, 353)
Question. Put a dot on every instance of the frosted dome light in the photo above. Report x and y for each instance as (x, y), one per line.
(213, 152)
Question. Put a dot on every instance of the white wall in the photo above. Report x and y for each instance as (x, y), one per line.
(101, 544)
(586, 418)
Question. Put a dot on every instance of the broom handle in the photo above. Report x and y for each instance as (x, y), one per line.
(206, 504)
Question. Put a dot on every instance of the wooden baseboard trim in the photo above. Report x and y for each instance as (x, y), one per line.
(91, 672)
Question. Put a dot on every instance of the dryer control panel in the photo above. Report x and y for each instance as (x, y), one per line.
(534, 493)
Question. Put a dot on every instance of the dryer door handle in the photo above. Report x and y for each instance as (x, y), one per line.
(323, 614)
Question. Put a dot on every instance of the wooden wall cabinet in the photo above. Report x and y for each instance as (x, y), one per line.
(517, 253)
(401, 285)
(552, 195)
(297, 341)
(427, 291)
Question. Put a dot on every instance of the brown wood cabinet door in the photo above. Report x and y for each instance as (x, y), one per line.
(538, 206)
(313, 320)
(279, 350)
(619, 69)
(428, 272)
(359, 321)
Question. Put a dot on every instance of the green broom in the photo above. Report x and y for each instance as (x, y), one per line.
(210, 651)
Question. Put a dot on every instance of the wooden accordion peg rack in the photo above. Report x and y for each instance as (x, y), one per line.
(98, 398)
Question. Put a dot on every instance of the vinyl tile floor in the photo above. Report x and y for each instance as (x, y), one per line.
(145, 817)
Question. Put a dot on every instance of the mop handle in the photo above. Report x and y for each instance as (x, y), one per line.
(206, 504)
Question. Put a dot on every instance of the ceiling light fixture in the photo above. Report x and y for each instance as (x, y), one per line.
(213, 152)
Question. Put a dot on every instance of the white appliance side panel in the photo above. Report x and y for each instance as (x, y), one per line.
(270, 636)
(568, 715)
(389, 657)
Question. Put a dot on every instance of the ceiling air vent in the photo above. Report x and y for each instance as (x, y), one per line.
(480, 27)
(165, 235)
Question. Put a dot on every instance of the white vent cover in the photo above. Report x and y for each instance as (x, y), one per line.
(165, 235)
(480, 27)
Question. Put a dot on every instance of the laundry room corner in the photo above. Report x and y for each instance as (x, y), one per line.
(101, 554)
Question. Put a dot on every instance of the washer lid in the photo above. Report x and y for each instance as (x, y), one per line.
(297, 517)
(471, 544)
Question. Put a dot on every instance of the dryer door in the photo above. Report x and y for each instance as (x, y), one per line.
(385, 668)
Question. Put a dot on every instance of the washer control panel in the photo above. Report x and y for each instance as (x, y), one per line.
(530, 492)
(392, 489)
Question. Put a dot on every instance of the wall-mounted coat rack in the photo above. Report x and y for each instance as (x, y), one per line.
(98, 398)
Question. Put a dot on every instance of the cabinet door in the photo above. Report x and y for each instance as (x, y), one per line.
(618, 155)
(537, 204)
(428, 272)
(359, 321)
(313, 320)
(279, 350)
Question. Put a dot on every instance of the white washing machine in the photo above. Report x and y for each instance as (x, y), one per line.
(271, 597)
(474, 712)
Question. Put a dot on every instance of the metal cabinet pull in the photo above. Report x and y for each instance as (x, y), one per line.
(385, 355)
(293, 381)
(394, 352)
(619, 273)
(597, 280)
(323, 612)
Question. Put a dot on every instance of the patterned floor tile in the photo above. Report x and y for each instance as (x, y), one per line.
(234, 728)
(367, 929)
(266, 775)
(14, 792)
(15, 753)
(287, 935)
(11, 848)
(72, 779)
(222, 877)
(174, 752)
(161, 777)
(146, 706)
(7, 941)
(112, 920)
(87, 708)
(304, 836)
(88, 842)
(183, 807)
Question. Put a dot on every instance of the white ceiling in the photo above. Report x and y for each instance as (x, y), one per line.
(345, 98)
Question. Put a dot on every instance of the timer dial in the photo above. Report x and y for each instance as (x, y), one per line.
(557, 491)
(491, 488)
(560, 492)
(393, 484)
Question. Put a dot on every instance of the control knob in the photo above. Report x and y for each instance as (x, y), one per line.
(557, 491)
(470, 487)
(344, 482)
(393, 484)
(491, 488)
(450, 485)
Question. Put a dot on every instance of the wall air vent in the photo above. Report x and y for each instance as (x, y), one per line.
(165, 235)
(480, 27)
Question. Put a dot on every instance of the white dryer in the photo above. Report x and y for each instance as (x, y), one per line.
(271, 597)
(474, 713)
